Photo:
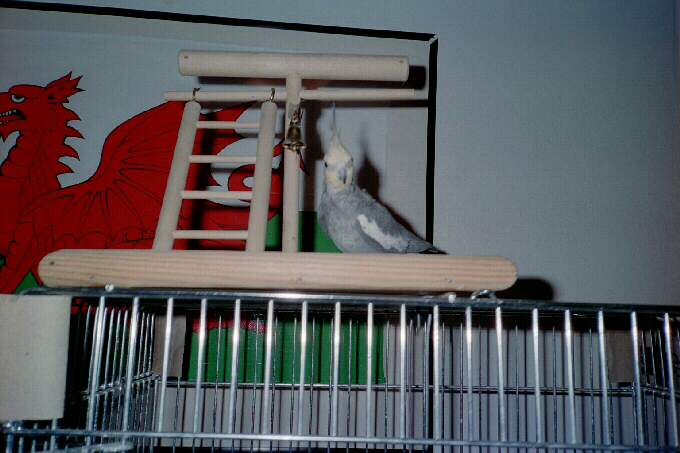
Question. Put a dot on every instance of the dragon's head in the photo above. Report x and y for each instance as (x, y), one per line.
(30, 107)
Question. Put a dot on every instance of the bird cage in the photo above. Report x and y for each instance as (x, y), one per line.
(149, 369)
(286, 371)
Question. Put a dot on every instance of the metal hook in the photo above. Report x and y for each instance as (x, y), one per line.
(483, 294)
(271, 96)
(193, 93)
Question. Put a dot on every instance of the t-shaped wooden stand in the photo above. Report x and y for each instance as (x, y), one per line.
(256, 269)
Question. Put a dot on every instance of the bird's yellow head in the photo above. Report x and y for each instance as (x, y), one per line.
(339, 165)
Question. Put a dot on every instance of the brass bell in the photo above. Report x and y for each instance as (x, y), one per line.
(293, 139)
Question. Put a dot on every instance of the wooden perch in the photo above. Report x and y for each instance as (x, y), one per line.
(209, 63)
(275, 270)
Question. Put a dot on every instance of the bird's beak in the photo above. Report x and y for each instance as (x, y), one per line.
(342, 174)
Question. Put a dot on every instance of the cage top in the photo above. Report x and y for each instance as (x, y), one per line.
(482, 300)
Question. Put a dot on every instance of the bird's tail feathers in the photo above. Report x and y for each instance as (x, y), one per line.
(432, 251)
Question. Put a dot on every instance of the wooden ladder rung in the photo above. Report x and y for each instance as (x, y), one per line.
(210, 234)
(226, 125)
(214, 195)
(200, 159)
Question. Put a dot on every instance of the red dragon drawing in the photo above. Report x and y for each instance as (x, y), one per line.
(118, 206)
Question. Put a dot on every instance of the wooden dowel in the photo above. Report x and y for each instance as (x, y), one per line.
(172, 201)
(359, 94)
(259, 206)
(291, 173)
(226, 125)
(214, 195)
(275, 270)
(223, 96)
(211, 234)
(280, 65)
(367, 94)
(200, 159)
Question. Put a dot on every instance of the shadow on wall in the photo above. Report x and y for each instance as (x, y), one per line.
(529, 288)
(314, 151)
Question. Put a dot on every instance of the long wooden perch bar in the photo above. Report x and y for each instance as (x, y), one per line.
(210, 234)
(209, 159)
(358, 94)
(279, 65)
(226, 125)
(215, 195)
(275, 270)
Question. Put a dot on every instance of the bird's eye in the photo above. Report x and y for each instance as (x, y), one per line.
(17, 98)
(325, 164)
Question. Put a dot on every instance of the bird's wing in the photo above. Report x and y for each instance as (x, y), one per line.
(377, 223)
(389, 242)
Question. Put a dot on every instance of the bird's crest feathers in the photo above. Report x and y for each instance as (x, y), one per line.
(339, 163)
(335, 137)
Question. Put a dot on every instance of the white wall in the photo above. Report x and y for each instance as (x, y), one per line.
(557, 139)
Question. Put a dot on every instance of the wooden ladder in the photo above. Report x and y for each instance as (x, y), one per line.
(166, 230)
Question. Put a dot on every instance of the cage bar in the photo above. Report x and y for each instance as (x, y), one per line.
(297, 371)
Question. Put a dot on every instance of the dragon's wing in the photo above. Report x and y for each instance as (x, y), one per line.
(122, 201)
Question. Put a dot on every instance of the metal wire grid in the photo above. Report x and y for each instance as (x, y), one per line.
(414, 373)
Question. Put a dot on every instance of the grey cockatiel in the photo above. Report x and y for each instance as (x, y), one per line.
(352, 218)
